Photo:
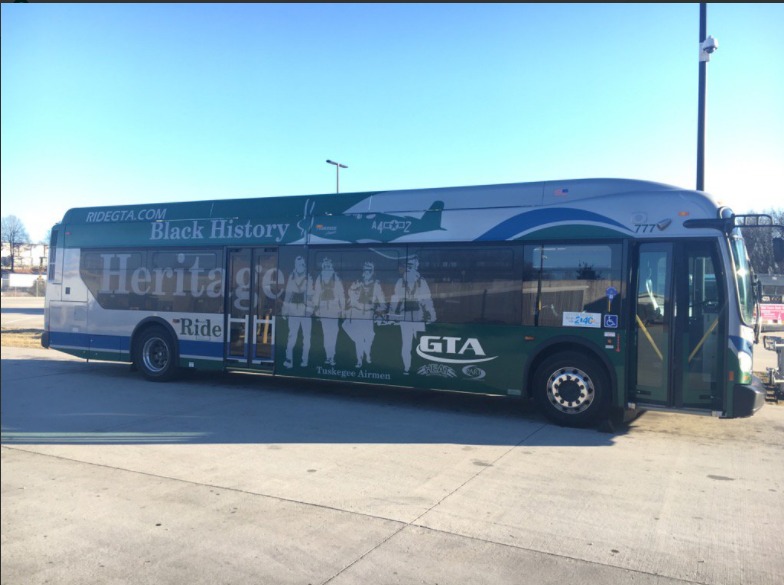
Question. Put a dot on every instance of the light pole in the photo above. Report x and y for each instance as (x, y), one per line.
(338, 166)
(708, 46)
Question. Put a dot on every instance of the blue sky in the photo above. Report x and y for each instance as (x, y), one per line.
(141, 103)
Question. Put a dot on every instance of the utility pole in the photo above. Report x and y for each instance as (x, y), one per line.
(708, 46)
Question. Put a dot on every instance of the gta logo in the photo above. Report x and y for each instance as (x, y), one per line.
(452, 350)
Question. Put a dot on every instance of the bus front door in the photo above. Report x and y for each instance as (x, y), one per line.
(679, 319)
(253, 289)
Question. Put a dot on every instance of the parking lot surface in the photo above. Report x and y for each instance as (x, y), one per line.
(107, 478)
(22, 312)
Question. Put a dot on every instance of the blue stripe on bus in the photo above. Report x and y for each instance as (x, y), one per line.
(201, 348)
(540, 218)
(90, 341)
(121, 343)
(740, 344)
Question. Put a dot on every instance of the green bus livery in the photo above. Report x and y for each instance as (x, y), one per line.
(593, 297)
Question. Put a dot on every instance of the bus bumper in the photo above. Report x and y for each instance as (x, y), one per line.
(45, 339)
(748, 398)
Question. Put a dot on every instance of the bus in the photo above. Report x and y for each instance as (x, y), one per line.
(593, 297)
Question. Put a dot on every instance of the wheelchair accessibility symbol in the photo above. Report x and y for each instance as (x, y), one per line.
(611, 321)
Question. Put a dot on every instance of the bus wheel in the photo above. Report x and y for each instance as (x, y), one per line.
(571, 389)
(154, 355)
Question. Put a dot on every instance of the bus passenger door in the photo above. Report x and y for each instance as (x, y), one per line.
(253, 290)
(653, 318)
(700, 324)
(680, 317)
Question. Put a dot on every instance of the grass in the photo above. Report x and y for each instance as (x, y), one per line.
(27, 338)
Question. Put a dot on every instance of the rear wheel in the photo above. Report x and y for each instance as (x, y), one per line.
(155, 355)
(571, 389)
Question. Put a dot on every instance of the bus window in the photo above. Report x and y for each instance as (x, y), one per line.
(357, 282)
(576, 278)
(189, 281)
(113, 278)
(53, 275)
(472, 285)
(174, 281)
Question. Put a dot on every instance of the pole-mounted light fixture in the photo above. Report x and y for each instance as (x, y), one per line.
(338, 166)
(708, 46)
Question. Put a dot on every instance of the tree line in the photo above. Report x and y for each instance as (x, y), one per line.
(15, 235)
(759, 242)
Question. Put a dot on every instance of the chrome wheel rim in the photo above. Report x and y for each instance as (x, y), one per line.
(570, 390)
(155, 355)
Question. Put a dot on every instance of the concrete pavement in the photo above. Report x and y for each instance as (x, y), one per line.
(243, 479)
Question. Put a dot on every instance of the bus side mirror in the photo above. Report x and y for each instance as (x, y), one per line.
(778, 249)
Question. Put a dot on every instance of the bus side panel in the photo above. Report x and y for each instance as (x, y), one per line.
(68, 328)
(67, 309)
(477, 358)
(488, 359)
(109, 334)
(200, 338)
(74, 289)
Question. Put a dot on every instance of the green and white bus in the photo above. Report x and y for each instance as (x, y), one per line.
(593, 297)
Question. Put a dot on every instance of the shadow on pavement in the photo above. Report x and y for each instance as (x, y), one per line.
(70, 402)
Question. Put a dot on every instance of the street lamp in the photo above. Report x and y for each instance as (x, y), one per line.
(708, 46)
(338, 166)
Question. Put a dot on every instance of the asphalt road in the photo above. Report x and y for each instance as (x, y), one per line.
(22, 312)
(242, 479)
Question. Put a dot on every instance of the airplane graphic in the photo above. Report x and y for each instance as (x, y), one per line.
(376, 227)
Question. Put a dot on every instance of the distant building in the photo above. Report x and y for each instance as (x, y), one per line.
(27, 257)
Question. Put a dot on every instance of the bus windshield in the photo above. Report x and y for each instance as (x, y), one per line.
(742, 269)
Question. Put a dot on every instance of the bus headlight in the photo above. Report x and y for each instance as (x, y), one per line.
(745, 362)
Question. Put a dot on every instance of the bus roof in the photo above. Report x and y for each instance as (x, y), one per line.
(533, 194)
(484, 212)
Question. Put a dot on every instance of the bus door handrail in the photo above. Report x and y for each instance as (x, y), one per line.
(704, 338)
(648, 337)
(707, 333)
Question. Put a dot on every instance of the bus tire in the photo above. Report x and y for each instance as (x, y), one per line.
(155, 354)
(571, 389)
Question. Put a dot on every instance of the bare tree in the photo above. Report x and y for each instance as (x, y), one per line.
(14, 234)
(759, 242)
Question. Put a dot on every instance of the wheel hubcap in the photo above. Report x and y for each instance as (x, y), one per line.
(570, 390)
(155, 355)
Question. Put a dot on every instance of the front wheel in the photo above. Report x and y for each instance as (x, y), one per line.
(571, 389)
(155, 355)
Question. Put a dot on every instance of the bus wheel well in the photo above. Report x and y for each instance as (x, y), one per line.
(572, 388)
(145, 326)
(566, 347)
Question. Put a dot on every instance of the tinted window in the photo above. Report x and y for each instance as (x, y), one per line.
(185, 281)
(573, 279)
(53, 276)
(156, 281)
(355, 283)
(115, 278)
(470, 285)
